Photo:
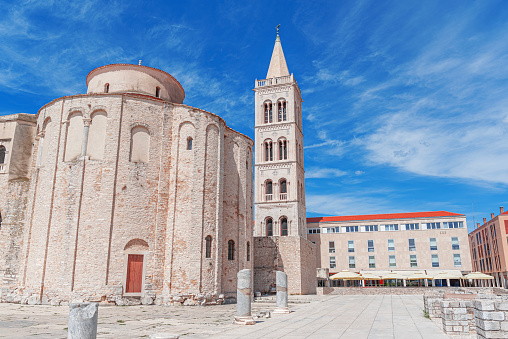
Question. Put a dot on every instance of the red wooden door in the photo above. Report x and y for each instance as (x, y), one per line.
(134, 273)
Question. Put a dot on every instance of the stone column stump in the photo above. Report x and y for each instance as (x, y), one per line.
(281, 279)
(243, 292)
(83, 321)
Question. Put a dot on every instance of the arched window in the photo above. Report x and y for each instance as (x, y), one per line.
(158, 92)
(283, 149)
(189, 143)
(283, 226)
(281, 105)
(268, 190)
(106, 88)
(268, 150)
(97, 136)
(283, 189)
(0, 220)
(2, 154)
(248, 251)
(140, 144)
(74, 142)
(208, 246)
(231, 250)
(269, 227)
(268, 112)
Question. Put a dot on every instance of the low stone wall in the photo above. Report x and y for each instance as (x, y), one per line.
(458, 317)
(431, 292)
(491, 317)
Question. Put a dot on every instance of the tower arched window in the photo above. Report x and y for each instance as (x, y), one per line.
(283, 189)
(106, 88)
(208, 246)
(268, 190)
(248, 251)
(231, 250)
(189, 143)
(269, 227)
(157, 92)
(2, 154)
(268, 150)
(281, 108)
(283, 149)
(268, 113)
(283, 226)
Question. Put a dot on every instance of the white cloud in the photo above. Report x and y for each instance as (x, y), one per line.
(314, 173)
(359, 172)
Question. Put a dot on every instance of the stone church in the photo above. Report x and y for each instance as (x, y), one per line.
(126, 195)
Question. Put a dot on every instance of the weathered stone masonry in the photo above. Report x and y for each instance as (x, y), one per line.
(133, 173)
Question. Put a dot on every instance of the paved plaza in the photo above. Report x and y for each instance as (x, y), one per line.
(352, 316)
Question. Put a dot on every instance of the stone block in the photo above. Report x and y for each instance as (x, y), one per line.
(460, 317)
(484, 305)
(488, 325)
(502, 306)
(499, 316)
(457, 328)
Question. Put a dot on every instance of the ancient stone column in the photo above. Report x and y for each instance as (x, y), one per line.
(83, 321)
(243, 291)
(281, 279)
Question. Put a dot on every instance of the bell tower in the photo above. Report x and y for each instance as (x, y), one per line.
(279, 169)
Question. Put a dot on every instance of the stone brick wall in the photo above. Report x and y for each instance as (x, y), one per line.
(458, 317)
(491, 318)
(293, 255)
(83, 217)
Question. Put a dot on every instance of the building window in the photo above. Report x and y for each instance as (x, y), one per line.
(331, 247)
(372, 261)
(268, 190)
(433, 244)
(391, 245)
(208, 246)
(189, 143)
(455, 243)
(268, 150)
(248, 251)
(352, 261)
(332, 262)
(330, 230)
(370, 245)
(453, 224)
(268, 113)
(106, 88)
(371, 228)
(412, 260)
(412, 226)
(282, 110)
(283, 226)
(433, 225)
(269, 227)
(231, 250)
(351, 246)
(313, 230)
(456, 260)
(283, 149)
(283, 189)
(392, 227)
(157, 92)
(435, 260)
(391, 261)
(351, 228)
(2, 154)
(412, 246)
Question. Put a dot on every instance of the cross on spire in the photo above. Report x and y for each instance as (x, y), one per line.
(278, 29)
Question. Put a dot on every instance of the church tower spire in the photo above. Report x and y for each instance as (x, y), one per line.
(280, 177)
(278, 66)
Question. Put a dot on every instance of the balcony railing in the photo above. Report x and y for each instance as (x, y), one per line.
(275, 81)
(283, 196)
(268, 197)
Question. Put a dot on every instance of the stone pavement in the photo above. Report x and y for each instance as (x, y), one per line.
(352, 316)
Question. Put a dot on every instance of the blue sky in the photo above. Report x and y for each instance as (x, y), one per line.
(405, 102)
